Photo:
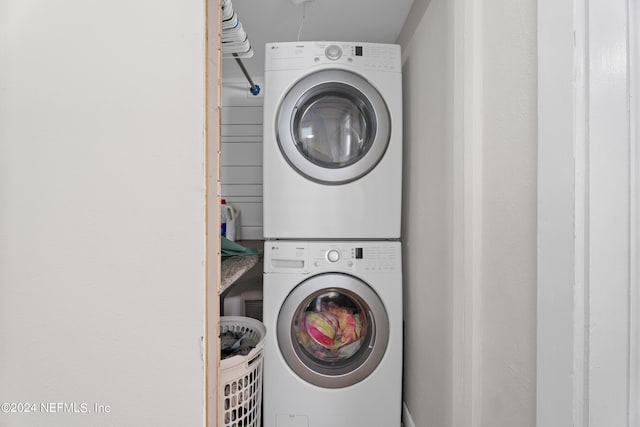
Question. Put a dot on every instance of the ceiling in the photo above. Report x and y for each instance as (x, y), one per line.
(331, 20)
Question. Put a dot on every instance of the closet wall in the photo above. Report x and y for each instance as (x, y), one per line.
(470, 283)
(102, 212)
(241, 164)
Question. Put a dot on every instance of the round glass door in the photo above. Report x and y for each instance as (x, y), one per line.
(333, 330)
(333, 126)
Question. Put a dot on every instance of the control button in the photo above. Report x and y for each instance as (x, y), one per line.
(333, 255)
(333, 52)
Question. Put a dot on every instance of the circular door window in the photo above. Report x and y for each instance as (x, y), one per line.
(333, 127)
(333, 330)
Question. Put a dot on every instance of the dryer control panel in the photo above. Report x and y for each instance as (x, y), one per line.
(307, 257)
(302, 55)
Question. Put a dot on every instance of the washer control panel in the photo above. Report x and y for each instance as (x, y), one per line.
(302, 55)
(361, 256)
(294, 256)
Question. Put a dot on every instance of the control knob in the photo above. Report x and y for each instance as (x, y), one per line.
(333, 255)
(333, 52)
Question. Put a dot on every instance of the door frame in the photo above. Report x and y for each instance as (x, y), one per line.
(588, 195)
(213, 73)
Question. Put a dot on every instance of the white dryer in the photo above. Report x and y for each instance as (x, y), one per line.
(333, 349)
(332, 141)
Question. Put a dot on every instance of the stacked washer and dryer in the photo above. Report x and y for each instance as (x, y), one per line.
(332, 296)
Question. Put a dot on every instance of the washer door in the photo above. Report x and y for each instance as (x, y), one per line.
(333, 330)
(333, 127)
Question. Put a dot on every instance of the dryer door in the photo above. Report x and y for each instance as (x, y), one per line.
(333, 330)
(333, 126)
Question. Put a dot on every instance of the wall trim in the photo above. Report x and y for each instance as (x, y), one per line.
(559, 293)
(467, 210)
(634, 297)
(580, 398)
(213, 55)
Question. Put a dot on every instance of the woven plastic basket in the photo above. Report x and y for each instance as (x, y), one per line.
(241, 376)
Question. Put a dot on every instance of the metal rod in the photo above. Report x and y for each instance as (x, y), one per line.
(255, 89)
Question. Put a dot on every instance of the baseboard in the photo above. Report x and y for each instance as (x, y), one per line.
(407, 420)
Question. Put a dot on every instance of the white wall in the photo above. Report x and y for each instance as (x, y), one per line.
(498, 166)
(427, 213)
(102, 249)
(507, 305)
(241, 157)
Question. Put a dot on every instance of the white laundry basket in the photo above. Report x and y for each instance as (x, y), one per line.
(241, 376)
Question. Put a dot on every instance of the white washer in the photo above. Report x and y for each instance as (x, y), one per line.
(333, 349)
(332, 141)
